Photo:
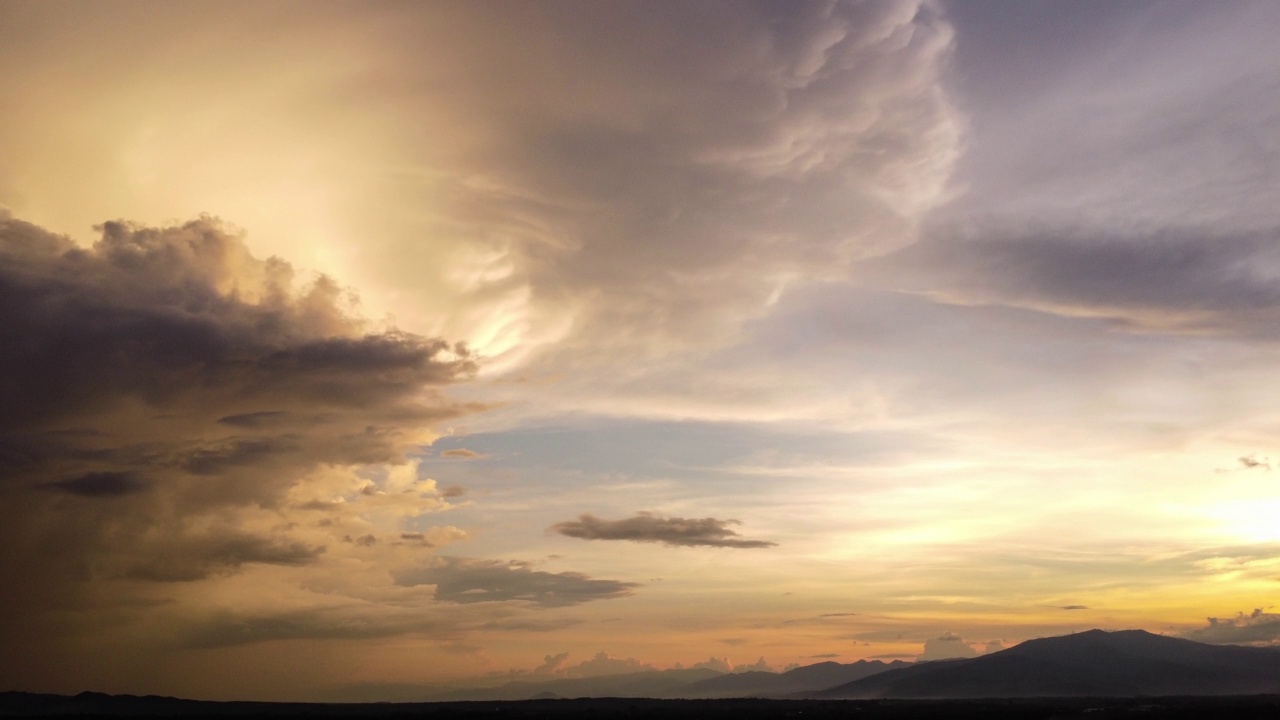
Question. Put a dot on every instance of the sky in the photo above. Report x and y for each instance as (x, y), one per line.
(361, 350)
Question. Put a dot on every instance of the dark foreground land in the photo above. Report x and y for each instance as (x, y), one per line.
(1236, 708)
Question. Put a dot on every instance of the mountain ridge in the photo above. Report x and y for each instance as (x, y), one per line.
(1125, 663)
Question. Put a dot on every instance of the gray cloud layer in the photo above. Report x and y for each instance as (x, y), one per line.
(648, 527)
(1197, 281)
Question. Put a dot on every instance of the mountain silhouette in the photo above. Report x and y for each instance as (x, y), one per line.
(1127, 663)
(648, 683)
(809, 678)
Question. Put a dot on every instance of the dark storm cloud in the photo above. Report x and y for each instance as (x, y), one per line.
(467, 580)
(648, 527)
(164, 315)
(1256, 628)
(164, 380)
(1178, 280)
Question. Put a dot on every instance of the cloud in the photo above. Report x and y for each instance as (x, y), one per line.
(605, 664)
(714, 663)
(1256, 628)
(946, 646)
(467, 580)
(550, 664)
(102, 484)
(1069, 607)
(461, 454)
(823, 656)
(168, 401)
(599, 665)
(186, 559)
(648, 527)
(1253, 462)
(759, 665)
(1181, 280)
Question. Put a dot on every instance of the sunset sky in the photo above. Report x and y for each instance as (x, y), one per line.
(359, 350)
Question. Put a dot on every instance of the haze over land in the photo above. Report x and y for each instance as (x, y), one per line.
(350, 350)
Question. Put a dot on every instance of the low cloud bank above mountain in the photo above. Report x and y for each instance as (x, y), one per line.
(1255, 628)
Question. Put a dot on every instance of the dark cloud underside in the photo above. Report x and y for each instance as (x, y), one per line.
(467, 580)
(647, 527)
(158, 383)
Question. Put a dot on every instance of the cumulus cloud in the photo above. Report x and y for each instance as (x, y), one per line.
(468, 580)
(1255, 628)
(168, 401)
(605, 664)
(760, 665)
(714, 663)
(600, 665)
(946, 646)
(649, 527)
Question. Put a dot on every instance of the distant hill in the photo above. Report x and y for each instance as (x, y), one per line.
(651, 683)
(1128, 663)
(809, 678)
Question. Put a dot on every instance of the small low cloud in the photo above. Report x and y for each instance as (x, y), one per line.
(461, 454)
(1255, 462)
(714, 663)
(468, 580)
(648, 527)
(605, 664)
(945, 647)
(823, 656)
(1068, 607)
(600, 665)
(1255, 628)
(760, 665)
